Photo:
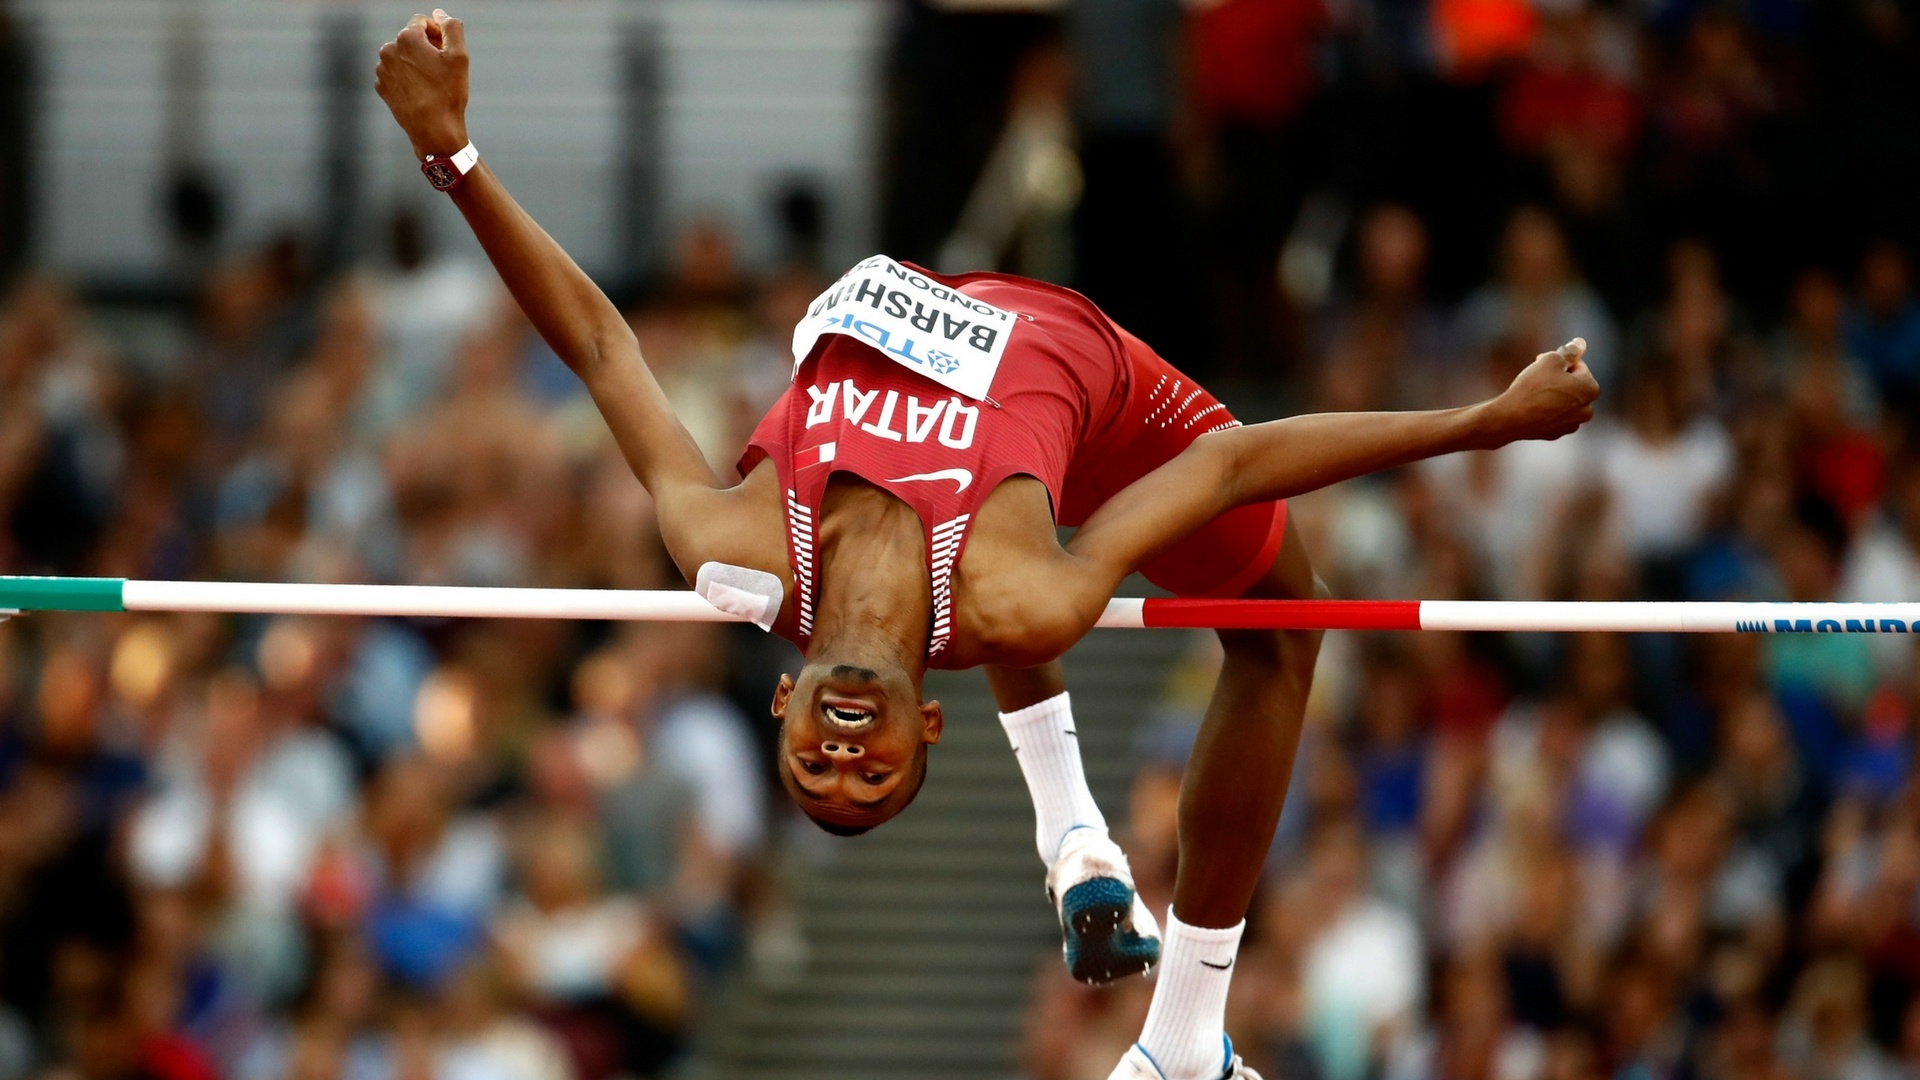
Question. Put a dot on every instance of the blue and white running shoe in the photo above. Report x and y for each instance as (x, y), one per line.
(1109, 934)
(1138, 1066)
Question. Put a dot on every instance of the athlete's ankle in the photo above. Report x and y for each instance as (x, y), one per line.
(1217, 1071)
(1078, 834)
(1184, 1032)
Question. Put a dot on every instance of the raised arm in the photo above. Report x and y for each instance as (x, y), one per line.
(422, 76)
(1283, 458)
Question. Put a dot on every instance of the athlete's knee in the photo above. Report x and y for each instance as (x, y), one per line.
(1287, 655)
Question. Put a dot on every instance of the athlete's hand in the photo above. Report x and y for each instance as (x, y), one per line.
(422, 76)
(1550, 398)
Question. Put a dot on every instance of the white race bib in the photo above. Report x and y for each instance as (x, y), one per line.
(948, 336)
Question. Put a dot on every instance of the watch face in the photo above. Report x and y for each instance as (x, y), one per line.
(441, 174)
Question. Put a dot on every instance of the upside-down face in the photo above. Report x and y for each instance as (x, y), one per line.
(853, 743)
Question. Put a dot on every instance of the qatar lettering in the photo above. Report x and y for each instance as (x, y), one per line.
(894, 416)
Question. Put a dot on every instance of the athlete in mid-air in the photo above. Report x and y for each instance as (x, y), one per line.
(896, 512)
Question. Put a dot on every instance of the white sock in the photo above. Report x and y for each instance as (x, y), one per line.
(1043, 739)
(1188, 1017)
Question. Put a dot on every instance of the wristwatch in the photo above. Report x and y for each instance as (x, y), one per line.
(449, 172)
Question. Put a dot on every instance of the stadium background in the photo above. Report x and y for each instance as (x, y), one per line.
(240, 339)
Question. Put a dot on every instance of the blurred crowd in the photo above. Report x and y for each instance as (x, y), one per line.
(301, 848)
(280, 848)
(1530, 857)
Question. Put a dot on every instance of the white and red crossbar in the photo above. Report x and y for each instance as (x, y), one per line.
(1688, 617)
(26, 594)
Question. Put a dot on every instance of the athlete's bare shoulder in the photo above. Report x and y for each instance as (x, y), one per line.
(1020, 599)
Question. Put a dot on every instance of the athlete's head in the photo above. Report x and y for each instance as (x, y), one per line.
(853, 743)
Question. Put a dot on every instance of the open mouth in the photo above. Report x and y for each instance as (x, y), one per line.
(846, 714)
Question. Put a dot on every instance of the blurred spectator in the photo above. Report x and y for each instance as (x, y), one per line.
(1700, 334)
(240, 814)
(1579, 769)
(1020, 209)
(1252, 74)
(1566, 96)
(1883, 565)
(1362, 972)
(1387, 347)
(1664, 468)
(426, 303)
(65, 456)
(598, 968)
(1822, 681)
(1474, 36)
(1538, 300)
(488, 1039)
(427, 875)
(1475, 1034)
(1836, 407)
(1774, 805)
(1571, 112)
(1744, 1045)
(1813, 344)
(1710, 103)
(1825, 1032)
(1884, 328)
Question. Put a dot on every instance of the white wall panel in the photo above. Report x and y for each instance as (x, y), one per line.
(754, 92)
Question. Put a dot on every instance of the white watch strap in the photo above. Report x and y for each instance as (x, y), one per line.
(466, 159)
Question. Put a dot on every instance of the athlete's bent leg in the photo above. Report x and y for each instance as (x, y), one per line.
(1107, 933)
(1230, 800)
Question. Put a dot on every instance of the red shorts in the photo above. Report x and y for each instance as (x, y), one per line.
(1164, 412)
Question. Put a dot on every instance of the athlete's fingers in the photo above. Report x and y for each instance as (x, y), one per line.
(414, 37)
(1574, 356)
(453, 30)
(1583, 376)
(433, 29)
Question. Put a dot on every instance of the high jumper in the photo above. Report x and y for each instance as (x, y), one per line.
(897, 511)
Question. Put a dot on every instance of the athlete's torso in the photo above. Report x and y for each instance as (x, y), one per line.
(854, 408)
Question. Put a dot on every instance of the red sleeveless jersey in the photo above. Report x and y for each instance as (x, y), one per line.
(852, 408)
(1076, 403)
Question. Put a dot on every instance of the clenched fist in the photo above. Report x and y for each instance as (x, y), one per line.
(422, 76)
(1550, 398)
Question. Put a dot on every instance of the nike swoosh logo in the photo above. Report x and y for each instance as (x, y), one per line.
(1217, 967)
(959, 476)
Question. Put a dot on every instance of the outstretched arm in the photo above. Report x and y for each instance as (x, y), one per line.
(1283, 458)
(422, 76)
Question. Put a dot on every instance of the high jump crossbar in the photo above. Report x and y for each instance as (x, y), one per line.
(31, 594)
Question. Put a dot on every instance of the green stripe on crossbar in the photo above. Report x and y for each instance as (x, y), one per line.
(61, 594)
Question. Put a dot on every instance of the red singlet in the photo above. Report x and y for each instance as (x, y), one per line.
(1077, 403)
